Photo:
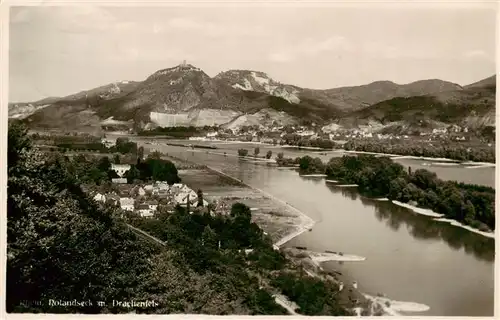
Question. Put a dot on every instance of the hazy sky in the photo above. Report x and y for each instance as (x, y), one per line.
(56, 51)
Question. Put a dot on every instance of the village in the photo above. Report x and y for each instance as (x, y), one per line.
(147, 199)
(275, 134)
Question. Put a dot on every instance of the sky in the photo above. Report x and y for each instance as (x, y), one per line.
(57, 51)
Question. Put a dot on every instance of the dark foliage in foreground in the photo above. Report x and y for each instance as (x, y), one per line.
(61, 246)
(64, 246)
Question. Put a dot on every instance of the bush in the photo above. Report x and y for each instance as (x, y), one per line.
(242, 152)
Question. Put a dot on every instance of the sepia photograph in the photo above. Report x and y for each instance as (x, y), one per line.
(269, 159)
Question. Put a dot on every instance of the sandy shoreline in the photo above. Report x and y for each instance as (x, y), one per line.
(366, 152)
(466, 227)
(237, 156)
(324, 257)
(440, 217)
(306, 222)
(394, 307)
(425, 212)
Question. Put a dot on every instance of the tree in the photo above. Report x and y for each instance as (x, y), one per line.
(124, 146)
(269, 154)
(242, 152)
(240, 210)
(160, 170)
(424, 179)
(200, 198)
(469, 212)
(280, 156)
(209, 238)
(116, 159)
(256, 151)
(18, 143)
(104, 164)
(155, 155)
(211, 207)
(305, 162)
(132, 174)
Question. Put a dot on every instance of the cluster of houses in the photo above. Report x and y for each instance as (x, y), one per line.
(145, 199)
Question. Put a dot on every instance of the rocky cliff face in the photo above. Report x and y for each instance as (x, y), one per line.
(259, 82)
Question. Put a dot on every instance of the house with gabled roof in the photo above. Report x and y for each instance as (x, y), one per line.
(113, 199)
(152, 204)
(145, 211)
(127, 204)
(149, 188)
(182, 198)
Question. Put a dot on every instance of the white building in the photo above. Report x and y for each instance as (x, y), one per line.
(182, 197)
(306, 133)
(176, 188)
(144, 211)
(141, 191)
(161, 188)
(108, 143)
(127, 204)
(120, 169)
(119, 180)
(439, 130)
(152, 205)
(100, 197)
(162, 185)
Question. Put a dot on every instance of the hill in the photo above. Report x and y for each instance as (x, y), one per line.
(489, 82)
(472, 106)
(361, 96)
(344, 98)
(180, 96)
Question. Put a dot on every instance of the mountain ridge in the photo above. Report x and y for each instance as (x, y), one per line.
(186, 95)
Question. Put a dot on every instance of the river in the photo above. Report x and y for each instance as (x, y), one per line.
(482, 175)
(409, 257)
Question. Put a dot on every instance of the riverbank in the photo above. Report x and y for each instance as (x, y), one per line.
(243, 157)
(305, 224)
(425, 212)
(439, 217)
